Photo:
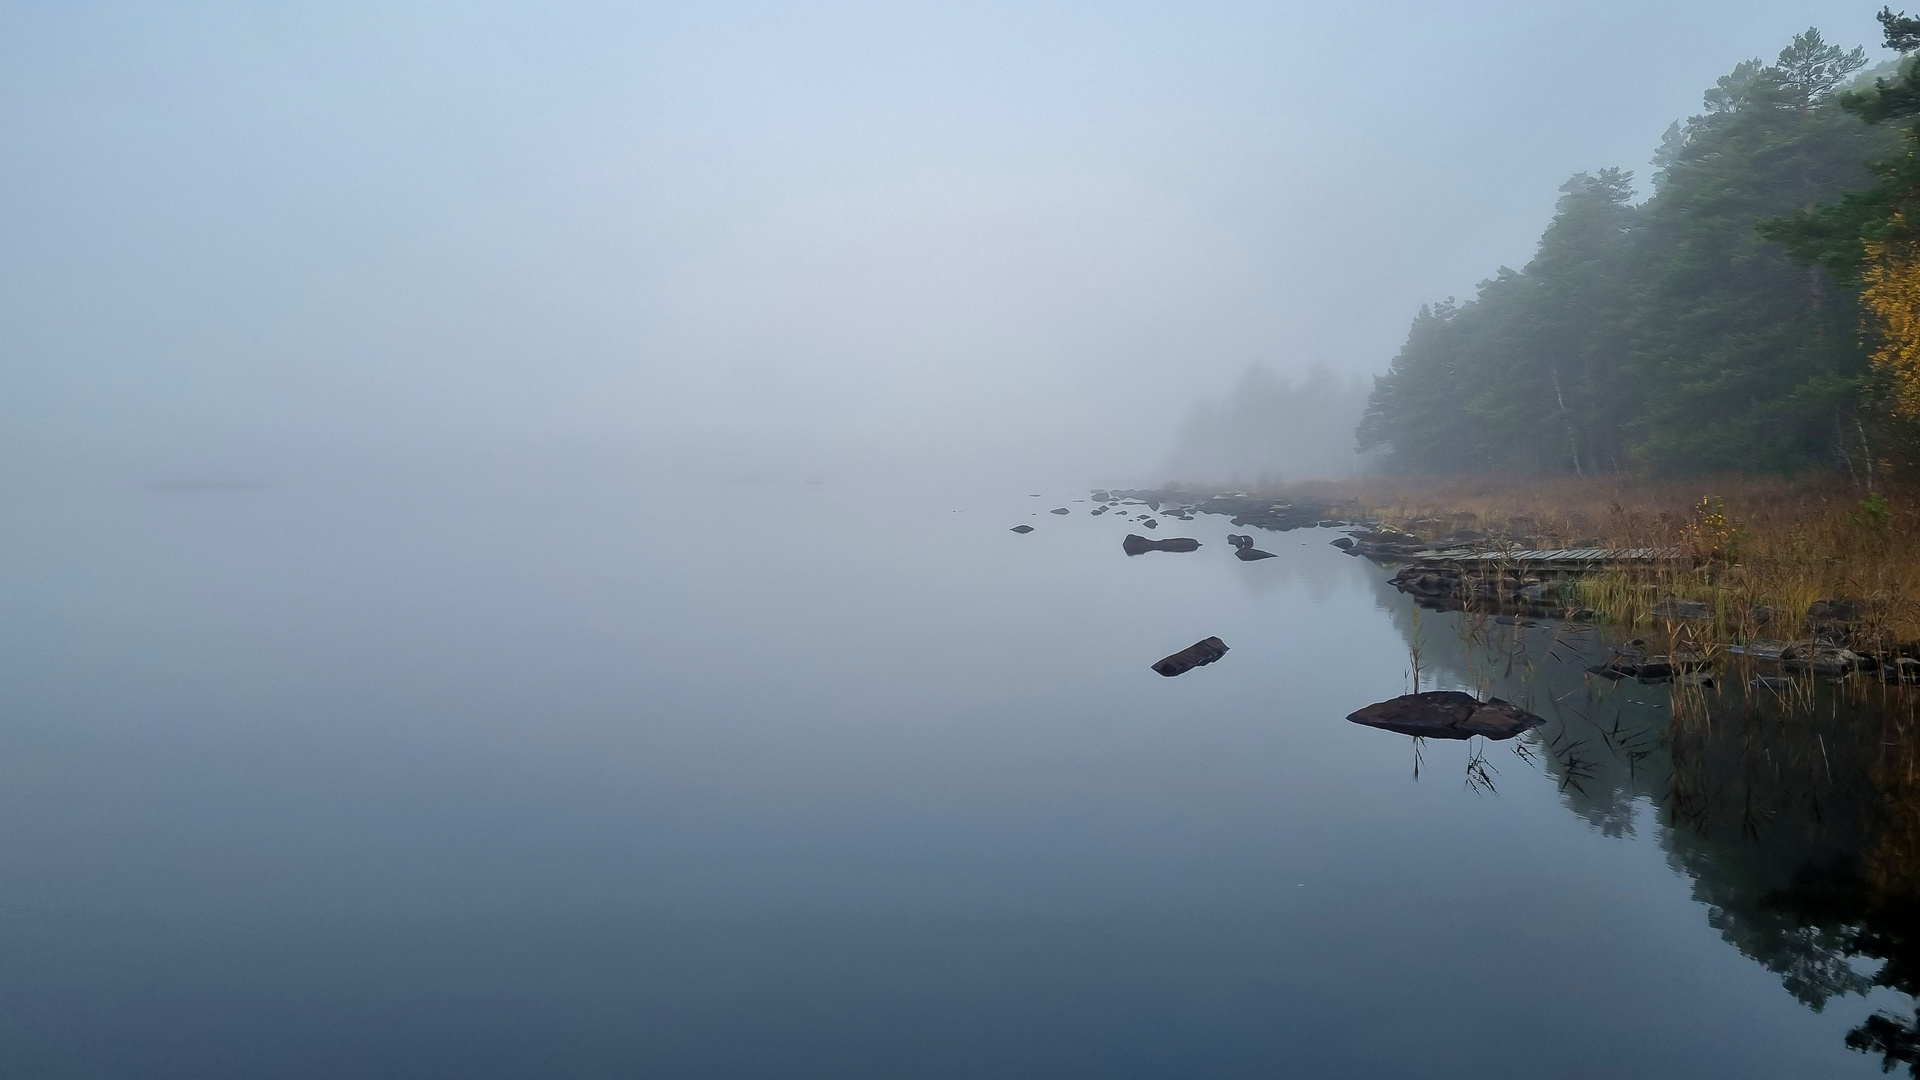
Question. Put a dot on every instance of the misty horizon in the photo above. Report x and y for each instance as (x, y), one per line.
(836, 242)
(856, 540)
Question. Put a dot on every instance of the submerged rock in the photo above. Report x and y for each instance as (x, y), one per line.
(1672, 608)
(1022, 529)
(1447, 714)
(1814, 655)
(1761, 649)
(1345, 543)
(1264, 513)
(1135, 544)
(1199, 654)
(1820, 658)
(1631, 660)
(1059, 510)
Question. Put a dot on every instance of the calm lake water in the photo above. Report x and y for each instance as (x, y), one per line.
(819, 782)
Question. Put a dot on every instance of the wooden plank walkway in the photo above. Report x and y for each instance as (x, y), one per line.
(1565, 556)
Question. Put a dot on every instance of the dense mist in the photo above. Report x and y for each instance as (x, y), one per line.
(744, 540)
(773, 242)
(1272, 428)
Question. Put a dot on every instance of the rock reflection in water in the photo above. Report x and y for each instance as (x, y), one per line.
(1796, 815)
(1447, 714)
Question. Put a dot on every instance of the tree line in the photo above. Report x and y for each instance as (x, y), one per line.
(1759, 311)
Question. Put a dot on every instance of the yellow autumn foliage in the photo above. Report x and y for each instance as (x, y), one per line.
(1893, 296)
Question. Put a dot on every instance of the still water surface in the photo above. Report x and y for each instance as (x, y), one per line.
(819, 782)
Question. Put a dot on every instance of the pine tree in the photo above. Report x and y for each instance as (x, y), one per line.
(1673, 335)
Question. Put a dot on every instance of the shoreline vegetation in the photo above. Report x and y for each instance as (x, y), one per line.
(1811, 576)
(1779, 752)
(1692, 418)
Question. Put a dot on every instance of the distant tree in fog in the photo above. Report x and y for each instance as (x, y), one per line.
(1270, 427)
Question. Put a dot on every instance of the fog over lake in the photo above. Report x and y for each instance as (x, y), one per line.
(761, 242)
(510, 560)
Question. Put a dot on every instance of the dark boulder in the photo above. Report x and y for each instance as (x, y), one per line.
(1198, 654)
(1248, 554)
(1345, 543)
(1821, 658)
(1135, 544)
(1149, 524)
(1823, 611)
(1022, 529)
(1447, 714)
(1240, 541)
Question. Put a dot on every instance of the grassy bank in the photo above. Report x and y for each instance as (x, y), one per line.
(1771, 558)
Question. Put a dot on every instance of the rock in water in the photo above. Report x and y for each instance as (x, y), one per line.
(1059, 510)
(1250, 554)
(1022, 529)
(1136, 544)
(1501, 719)
(1240, 541)
(1198, 654)
(1447, 714)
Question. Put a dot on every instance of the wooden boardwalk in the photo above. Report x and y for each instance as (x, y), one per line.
(1562, 557)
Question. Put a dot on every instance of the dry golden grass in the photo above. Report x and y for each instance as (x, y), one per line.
(1760, 551)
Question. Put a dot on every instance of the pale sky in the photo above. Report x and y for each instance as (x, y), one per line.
(770, 241)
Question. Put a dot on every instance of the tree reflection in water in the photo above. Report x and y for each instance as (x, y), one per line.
(1795, 815)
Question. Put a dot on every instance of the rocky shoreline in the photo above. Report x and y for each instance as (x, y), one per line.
(1447, 562)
